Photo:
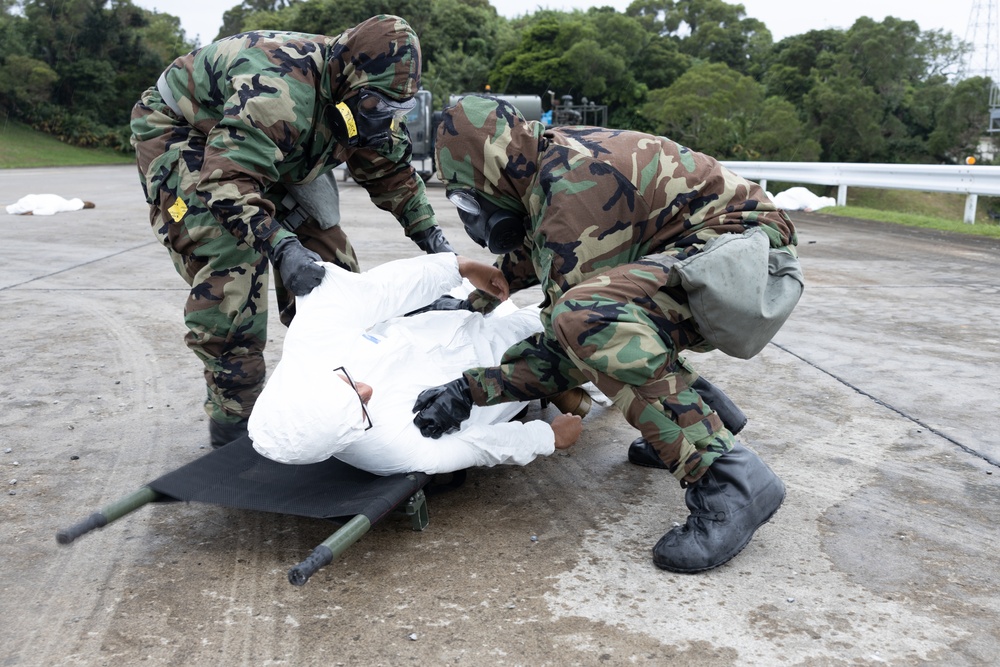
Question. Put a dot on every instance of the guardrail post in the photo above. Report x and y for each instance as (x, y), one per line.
(841, 195)
(763, 184)
(970, 209)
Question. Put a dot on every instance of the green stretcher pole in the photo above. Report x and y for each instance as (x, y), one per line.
(332, 547)
(115, 510)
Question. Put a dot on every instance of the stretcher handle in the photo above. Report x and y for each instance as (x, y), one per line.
(332, 547)
(115, 510)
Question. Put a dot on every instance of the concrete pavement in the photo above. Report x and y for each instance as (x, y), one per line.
(877, 404)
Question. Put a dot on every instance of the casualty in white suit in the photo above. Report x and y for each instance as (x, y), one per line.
(308, 413)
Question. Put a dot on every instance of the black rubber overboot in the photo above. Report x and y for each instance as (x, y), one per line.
(221, 434)
(730, 414)
(736, 496)
(641, 453)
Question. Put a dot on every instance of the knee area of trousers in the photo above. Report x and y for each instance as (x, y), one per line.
(568, 326)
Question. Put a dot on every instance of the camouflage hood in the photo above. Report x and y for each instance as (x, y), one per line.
(381, 53)
(484, 143)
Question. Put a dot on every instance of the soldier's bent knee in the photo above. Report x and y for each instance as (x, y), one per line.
(569, 323)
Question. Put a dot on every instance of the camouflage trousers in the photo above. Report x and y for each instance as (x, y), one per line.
(624, 330)
(226, 309)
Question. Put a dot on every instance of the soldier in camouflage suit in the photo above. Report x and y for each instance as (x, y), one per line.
(598, 217)
(227, 134)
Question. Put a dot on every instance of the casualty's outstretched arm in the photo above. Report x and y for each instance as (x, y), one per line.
(511, 443)
(484, 277)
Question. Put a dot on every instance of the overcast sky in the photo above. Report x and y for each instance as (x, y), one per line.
(202, 18)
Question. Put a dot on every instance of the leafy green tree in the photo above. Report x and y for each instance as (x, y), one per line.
(461, 45)
(324, 17)
(162, 36)
(25, 83)
(234, 18)
(459, 39)
(848, 117)
(593, 54)
(789, 67)
(710, 30)
(963, 118)
(100, 58)
(661, 62)
(454, 73)
(944, 53)
(888, 56)
(471, 27)
(716, 110)
(777, 133)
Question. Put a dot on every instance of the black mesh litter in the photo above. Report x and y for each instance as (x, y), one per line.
(237, 476)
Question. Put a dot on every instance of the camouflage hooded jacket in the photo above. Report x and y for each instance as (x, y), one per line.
(259, 104)
(595, 198)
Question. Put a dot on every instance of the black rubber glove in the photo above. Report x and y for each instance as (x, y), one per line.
(297, 265)
(432, 240)
(444, 303)
(442, 409)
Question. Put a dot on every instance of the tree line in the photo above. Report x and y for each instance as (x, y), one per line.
(698, 71)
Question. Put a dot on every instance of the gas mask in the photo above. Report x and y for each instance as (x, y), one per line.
(368, 119)
(487, 224)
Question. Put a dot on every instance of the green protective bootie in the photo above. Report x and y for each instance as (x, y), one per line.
(221, 434)
(736, 496)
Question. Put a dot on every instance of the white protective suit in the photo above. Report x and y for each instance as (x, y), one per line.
(306, 413)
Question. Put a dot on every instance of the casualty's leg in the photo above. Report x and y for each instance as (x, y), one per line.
(624, 330)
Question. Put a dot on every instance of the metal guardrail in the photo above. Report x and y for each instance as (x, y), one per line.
(969, 180)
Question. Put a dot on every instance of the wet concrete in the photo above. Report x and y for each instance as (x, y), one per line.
(877, 404)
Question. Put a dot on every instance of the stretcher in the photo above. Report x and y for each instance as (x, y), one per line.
(237, 476)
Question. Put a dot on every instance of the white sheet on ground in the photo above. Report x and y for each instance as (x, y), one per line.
(353, 320)
(44, 205)
(801, 199)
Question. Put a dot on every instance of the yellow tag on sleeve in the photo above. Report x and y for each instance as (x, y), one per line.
(178, 210)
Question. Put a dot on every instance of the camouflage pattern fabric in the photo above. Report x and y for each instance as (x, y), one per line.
(598, 204)
(255, 115)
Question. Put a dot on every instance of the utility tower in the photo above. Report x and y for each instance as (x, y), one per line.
(983, 58)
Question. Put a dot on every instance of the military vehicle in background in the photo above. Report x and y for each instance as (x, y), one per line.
(422, 121)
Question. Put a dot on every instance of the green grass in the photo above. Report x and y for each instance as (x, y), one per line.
(930, 210)
(987, 229)
(20, 146)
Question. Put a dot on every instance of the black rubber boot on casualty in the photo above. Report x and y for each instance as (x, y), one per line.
(222, 434)
(737, 495)
(641, 453)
